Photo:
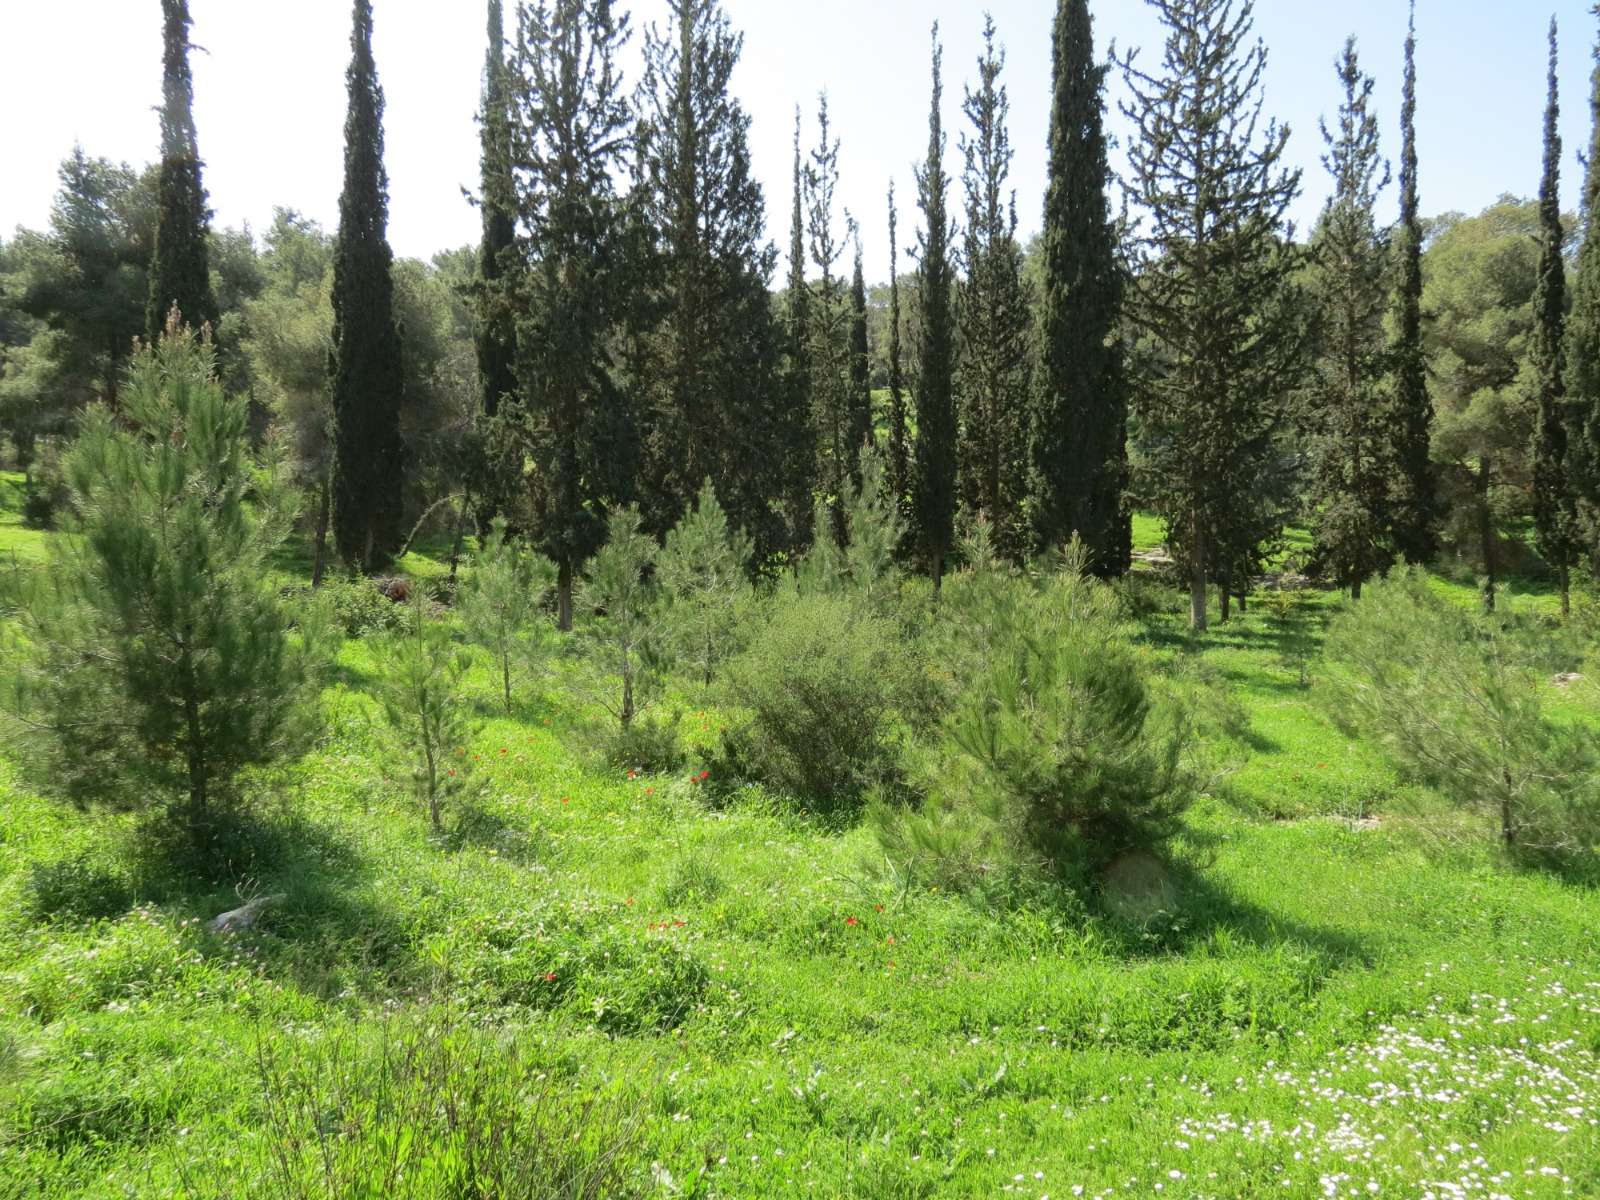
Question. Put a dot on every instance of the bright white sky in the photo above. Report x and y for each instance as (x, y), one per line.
(270, 97)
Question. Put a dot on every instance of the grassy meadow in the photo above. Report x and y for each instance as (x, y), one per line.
(668, 987)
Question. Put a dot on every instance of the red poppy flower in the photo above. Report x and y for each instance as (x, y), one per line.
(566, 799)
(851, 921)
(704, 775)
(550, 977)
(503, 750)
(877, 908)
(891, 941)
(630, 901)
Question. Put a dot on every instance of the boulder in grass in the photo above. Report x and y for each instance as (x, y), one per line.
(243, 917)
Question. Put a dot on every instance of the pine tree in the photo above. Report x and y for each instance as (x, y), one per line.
(861, 429)
(934, 479)
(1416, 509)
(712, 362)
(152, 662)
(1583, 330)
(502, 605)
(828, 335)
(1352, 460)
(1554, 507)
(570, 133)
(368, 376)
(899, 465)
(496, 332)
(995, 318)
(1214, 292)
(180, 271)
(703, 568)
(1079, 436)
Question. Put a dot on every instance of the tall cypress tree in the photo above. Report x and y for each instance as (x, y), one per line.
(1416, 508)
(828, 344)
(899, 444)
(368, 379)
(802, 447)
(994, 320)
(934, 481)
(180, 270)
(1583, 330)
(860, 423)
(713, 399)
(1554, 508)
(496, 334)
(1215, 292)
(571, 128)
(1079, 438)
(1352, 458)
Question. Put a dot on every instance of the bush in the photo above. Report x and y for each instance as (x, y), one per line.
(434, 1108)
(45, 494)
(502, 607)
(649, 745)
(821, 684)
(358, 607)
(76, 888)
(1458, 702)
(1056, 758)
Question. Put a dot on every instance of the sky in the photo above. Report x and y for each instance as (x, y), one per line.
(270, 99)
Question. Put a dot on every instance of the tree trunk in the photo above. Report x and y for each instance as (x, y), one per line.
(1355, 588)
(1566, 591)
(1197, 577)
(564, 596)
(938, 573)
(1225, 602)
(319, 540)
(505, 667)
(1486, 532)
(461, 533)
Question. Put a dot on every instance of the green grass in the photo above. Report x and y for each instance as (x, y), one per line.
(1323, 1003)
(18, 544)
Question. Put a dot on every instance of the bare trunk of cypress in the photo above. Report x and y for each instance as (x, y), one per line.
(564, 596)
(1486, 531)
(319, 539)
(1198, 619)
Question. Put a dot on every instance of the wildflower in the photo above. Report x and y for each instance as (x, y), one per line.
(891, 941)
(877, 908)
(549, 976)
(705, 775)
(630, 901)
(851, 921)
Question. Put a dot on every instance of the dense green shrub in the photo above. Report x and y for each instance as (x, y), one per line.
(1056, 757)
(704, 571)
(155, 658)
(45, 494)
(1458, 702)
(357, 607)
(822, 684)
(650, 745)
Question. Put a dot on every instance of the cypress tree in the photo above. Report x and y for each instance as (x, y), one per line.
(1583, 330)
(828, 345)
(1416, 510)
(899, 467)
(801, 450)
(1215, 291)
(1352, 464)
(713, 359)
(180, 271)
(934, 481)
(994, 320)
(1554, 508)
(571, 129)
(368, 379)
(496, 340)
(860, 422)
(1079, 446)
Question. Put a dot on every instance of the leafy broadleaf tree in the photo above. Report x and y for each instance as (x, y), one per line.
(934, 474)
(1079, 436)
(1416, 510)
(180, 270)
(1352, 467)
(1214, 291)
(713, 405)
(571, 424)
(502, 605)
(995, 318)
(703, 569)
(623, 632)
(155, 662)
(368, 376)
(1555, 512)
(422, 669)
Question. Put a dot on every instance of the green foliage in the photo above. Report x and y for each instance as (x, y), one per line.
(649, 745)
(623, 632)
(422, 1109)
(180, 269)
(45, 493)
(820, 685)
(357, 606)
(704, 571)
(421, 670)
(153, 658)
(368, 373)
(1057, 759)
(502, 606)
(1079, 440)
(1455, 702)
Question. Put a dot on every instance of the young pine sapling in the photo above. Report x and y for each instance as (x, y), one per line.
(502, 606)
(623, 629)
(702, 570)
